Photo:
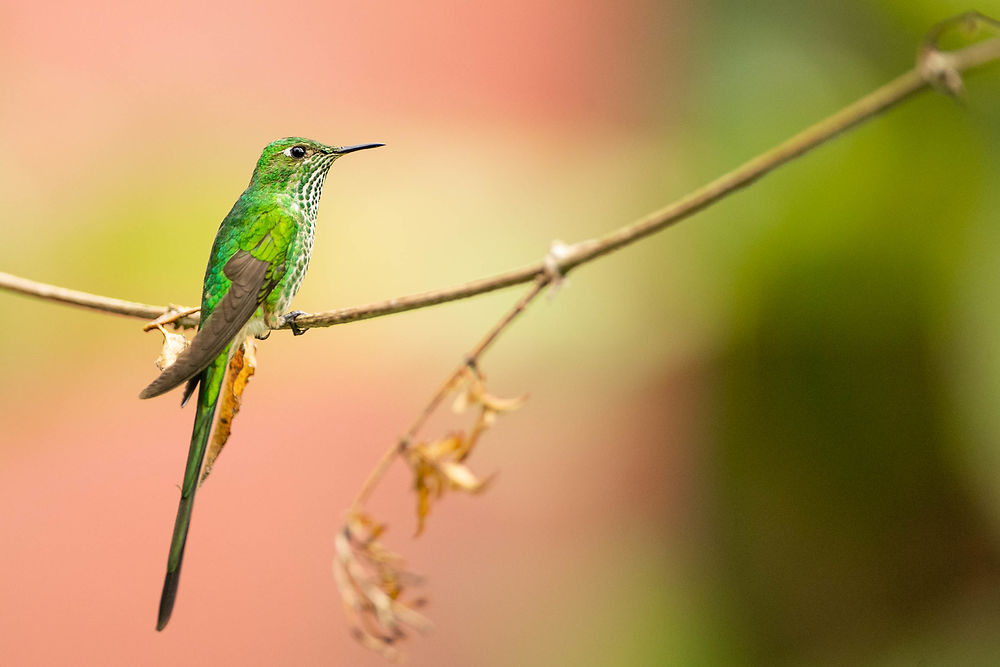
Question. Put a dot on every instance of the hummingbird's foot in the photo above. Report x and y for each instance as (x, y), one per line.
(263, 335)
(289, 319)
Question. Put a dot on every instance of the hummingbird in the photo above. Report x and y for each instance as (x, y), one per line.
(259, 257)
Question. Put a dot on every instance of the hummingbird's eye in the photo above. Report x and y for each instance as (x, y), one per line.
(296, 152)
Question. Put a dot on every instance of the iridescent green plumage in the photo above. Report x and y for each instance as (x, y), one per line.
(260, 255)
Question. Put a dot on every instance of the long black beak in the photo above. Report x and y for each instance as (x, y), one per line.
(350, 149)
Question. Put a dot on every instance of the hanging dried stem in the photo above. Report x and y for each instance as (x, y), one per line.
(436, 466)
(439, 465)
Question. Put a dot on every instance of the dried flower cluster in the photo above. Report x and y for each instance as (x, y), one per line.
(371, 580)
(439, 465)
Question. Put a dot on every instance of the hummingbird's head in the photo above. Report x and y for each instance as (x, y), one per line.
(298, 166)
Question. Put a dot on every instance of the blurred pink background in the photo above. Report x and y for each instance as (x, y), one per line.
(127, 131)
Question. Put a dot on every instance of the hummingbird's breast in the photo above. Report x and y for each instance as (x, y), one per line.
(301, 254)
(297, 258)
(302, 201)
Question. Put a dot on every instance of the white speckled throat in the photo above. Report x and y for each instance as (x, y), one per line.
(310, 186)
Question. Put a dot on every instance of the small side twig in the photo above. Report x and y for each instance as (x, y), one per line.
(175, 315)
(471, 361)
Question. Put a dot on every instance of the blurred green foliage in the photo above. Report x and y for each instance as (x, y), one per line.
(845, 427)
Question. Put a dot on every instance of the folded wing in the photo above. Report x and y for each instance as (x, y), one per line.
(251, 283)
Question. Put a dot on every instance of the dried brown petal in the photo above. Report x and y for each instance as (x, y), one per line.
(461, 403)
(437, 467)
(241, 368)
(497, 404)
(461, 477)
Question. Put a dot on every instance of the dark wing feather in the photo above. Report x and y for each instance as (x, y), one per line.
(189, 388)
(248, 275)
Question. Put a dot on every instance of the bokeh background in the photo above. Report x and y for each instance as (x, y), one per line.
(766, 436)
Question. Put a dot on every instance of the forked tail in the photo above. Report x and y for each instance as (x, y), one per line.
(208, 397)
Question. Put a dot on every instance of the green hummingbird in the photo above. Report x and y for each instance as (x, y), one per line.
(258, 260)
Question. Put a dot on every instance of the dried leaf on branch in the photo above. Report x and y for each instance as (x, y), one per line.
(241, 369)
(435, 468)
(173, 345)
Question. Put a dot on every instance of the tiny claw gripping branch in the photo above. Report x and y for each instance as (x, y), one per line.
(289, 319)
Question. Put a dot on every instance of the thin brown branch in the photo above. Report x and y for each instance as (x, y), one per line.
(933, 68)
(73, 297)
